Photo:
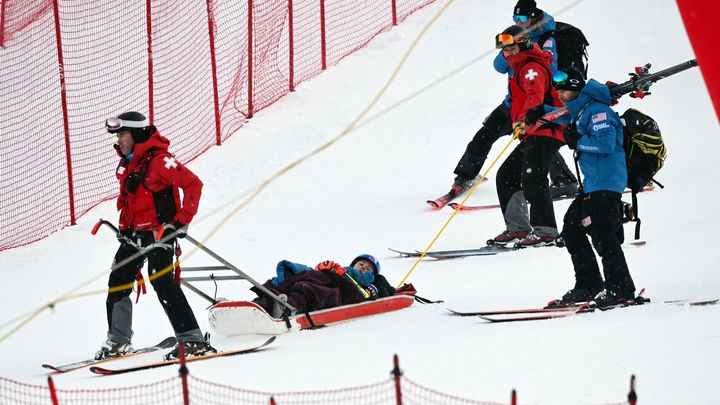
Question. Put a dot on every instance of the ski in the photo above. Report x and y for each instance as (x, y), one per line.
(456, 206)
(165, 344)
(406, 254)
(147, 366)
(482, 251)
(453, 254)
(442, 201)
(638, 87)
(518, 311)
(439, 254)
(451, 195)
(692, 303)
(550, 315)
(550, 312)
(583, 309)
(555, 306)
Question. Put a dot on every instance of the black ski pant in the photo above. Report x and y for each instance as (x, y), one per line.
(119, 305)
(599, 215)
(496, 125)
(522, 179)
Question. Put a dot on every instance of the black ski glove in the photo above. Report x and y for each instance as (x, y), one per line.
(176, 228)
(571, 136)
(534, 114)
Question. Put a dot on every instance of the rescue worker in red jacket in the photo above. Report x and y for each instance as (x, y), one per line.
(149, 199)
(522, 178)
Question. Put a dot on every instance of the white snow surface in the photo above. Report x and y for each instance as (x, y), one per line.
(367, 193)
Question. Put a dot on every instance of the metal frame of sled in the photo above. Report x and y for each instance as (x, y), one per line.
(186, 281)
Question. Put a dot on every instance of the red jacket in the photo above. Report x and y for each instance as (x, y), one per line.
(531, 86)
(149, 186)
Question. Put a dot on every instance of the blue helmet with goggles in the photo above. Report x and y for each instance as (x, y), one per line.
(133, 121)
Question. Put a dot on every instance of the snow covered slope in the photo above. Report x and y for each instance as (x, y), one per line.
(367, 193)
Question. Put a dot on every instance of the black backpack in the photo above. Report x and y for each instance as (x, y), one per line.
(645, 154)
(571, 46)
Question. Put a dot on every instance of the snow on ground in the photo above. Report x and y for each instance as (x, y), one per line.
(367, 193)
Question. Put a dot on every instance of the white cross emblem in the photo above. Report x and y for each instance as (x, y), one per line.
(170, 162)
(531, 75)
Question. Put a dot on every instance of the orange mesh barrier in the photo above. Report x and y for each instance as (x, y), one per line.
(67, 66)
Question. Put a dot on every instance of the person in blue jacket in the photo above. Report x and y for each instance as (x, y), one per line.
(528, 16)
(327, 285)
(595, 131)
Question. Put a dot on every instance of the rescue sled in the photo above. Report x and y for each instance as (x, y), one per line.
(230, 318)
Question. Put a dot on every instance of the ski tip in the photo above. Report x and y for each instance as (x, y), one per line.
(401, 253)
(100, 370)
(433, 204)
(51, 367)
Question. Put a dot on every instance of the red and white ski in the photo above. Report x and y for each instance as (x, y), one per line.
(165, 344)
(147, 366)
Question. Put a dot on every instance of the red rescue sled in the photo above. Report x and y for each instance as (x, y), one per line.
(229, 318)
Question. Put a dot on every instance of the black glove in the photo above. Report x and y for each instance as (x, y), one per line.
(534, 114)
(571, 136)
(175, 228)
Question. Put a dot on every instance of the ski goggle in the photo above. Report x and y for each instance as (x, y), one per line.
(560, 77)
(521, 18)
(115, 124)
(503, 40)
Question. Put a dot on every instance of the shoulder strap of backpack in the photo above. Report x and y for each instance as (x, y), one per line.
(636, 218)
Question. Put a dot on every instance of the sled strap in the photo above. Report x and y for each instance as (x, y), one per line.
(635, 214)
(423, 300)
(140, 282)
(310, 320)
(178, 252)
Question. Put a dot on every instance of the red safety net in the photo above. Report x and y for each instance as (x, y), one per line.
(200, 391)
(67, 66)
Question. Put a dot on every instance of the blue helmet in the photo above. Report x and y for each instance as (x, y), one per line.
(369, 258)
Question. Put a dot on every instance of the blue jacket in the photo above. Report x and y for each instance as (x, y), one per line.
(600, 145)
(296, 268)
(548, 24)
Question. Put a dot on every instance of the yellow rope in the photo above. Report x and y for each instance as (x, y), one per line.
(515, 134)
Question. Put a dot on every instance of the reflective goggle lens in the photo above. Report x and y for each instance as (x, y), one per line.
(560, 77)
(521, 18)
(113, 124)
(503, 40)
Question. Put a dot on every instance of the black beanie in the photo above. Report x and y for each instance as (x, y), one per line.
(575, 80)
(528, 8)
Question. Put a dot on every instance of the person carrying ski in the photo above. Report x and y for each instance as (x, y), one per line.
(327, 285)
(538, 23)
(149, 199)
(522, 178)
(595, 132)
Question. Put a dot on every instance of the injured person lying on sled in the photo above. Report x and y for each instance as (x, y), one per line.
(327, 285)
